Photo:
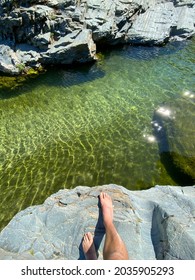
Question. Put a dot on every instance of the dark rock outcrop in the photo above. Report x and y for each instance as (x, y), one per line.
(64, 28)
(157, 223)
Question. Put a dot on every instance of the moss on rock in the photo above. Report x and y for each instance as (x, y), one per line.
(7, 82)
(12, 82)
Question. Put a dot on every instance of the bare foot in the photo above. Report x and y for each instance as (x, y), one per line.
(107, 209)
(89, 247)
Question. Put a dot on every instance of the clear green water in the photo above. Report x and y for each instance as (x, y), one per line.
(89, 126)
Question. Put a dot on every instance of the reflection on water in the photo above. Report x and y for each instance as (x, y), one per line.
(89, 126)
(189, 94)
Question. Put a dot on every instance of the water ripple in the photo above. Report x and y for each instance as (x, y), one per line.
(87, 126)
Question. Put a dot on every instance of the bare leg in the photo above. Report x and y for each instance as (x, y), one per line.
(89, 247)
(114, 247)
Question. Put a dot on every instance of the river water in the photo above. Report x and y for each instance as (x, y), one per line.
(90, 125)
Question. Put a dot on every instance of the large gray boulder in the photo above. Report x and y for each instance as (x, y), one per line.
(9, 61)
(74, 47)
(158, 223)
(163, 22)
(45, 24)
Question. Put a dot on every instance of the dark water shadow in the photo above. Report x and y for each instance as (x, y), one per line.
(57, 76)
(149, 53)
(144, 52)
(166, 156)
(98, 234)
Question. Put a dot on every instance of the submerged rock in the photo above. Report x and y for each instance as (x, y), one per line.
(155, 224)
(45, 24)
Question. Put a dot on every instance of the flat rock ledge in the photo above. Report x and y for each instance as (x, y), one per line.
(158, 223)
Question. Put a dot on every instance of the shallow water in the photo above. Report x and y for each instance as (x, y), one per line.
(89, 126)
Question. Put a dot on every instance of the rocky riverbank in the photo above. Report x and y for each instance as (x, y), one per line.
(155, 224)
(42, 32)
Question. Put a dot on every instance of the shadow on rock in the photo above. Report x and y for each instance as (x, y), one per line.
(158, 233)
(98, 234)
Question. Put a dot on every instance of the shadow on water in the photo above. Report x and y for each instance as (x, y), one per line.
(98, 233)
(166, 156)
(148, 53)
(64, 76)
(145, 53)
(69, 75)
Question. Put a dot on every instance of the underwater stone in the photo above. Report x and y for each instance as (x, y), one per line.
(155, 224)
